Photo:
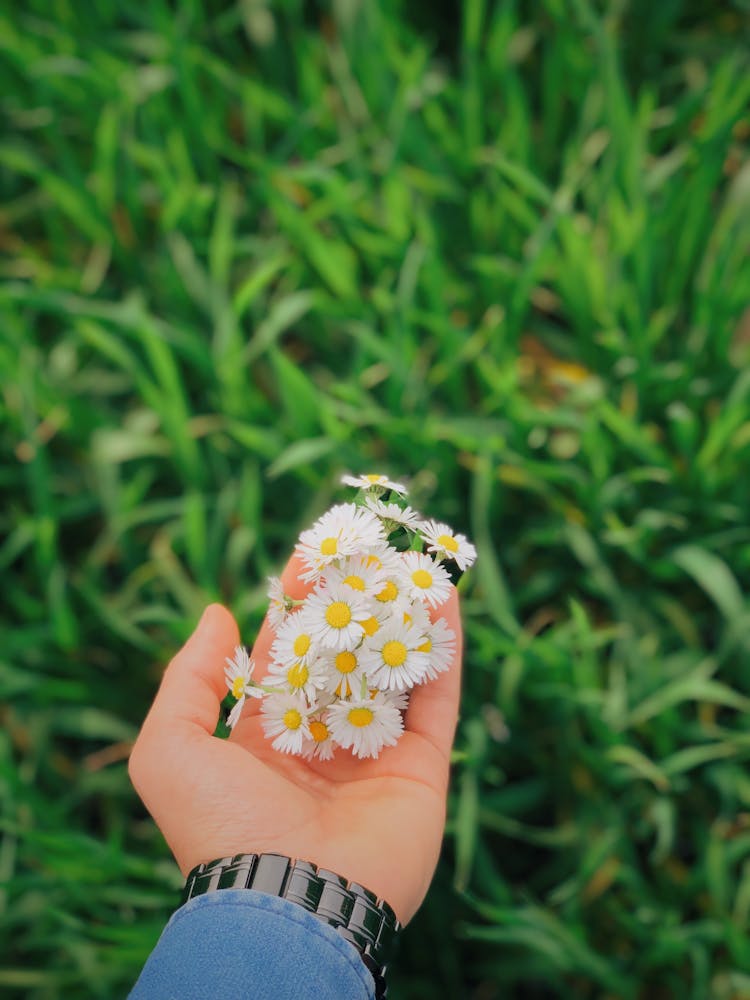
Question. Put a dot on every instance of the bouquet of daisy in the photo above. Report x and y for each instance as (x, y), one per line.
(345, 658)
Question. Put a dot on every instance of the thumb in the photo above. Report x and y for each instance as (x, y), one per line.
(193, 685)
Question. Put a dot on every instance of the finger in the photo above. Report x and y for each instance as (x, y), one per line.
(193, 684)
(290, 578)
(433, 707)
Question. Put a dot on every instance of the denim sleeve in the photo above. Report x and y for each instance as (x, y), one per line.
(239, 944)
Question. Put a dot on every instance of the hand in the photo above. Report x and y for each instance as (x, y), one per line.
(376, 822)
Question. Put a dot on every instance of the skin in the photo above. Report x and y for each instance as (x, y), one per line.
(376, 822)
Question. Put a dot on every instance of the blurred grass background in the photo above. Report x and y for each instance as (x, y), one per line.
(499, 248)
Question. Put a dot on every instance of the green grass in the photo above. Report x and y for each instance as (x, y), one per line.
(502, 250)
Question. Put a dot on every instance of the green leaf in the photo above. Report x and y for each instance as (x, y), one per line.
(300, 453)
(714, 577)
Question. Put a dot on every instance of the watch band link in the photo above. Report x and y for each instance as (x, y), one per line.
(356, 913)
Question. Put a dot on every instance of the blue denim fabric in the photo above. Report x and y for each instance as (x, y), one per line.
(239, 944)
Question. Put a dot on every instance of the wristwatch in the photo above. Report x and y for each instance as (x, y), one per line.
(356, 913)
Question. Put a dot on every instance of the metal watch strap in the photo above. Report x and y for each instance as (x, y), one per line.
(356, 913)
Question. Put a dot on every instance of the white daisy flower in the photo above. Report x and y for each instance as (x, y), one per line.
(238, 674)
(440, 646)
(399, 699)
(321, 743)
(379, 615)
(344, 672)
(334, 614)
(424, 579)
(304, 677)
(234, 716)
(360, 573)
(365, 725)
(415, 613)
(294, 641)
(442, 540)
(393, 513)
(392, 659)
(342, 531)
(238, 671)
(374, 481)
(393, 590)
(279, 604)
(383, 557)
(284, 716)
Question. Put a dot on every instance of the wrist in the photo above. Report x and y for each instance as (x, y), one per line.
(356, 913)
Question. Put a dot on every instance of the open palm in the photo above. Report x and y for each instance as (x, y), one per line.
(376, 822)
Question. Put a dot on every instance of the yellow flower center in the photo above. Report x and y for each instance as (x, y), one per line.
(407, 618)
(426, 647)
(371, 625)
(388, 593)
(394, 653)
(238, 687)
(422, 578)
(448, 542)
(373, 560)
(298, 675)
(301, 645)
(374, 479)
(345, 662)
(355, 582)
(292, 719)
(338, 614)
(329, 547)
(318, 731)
(360, 717)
